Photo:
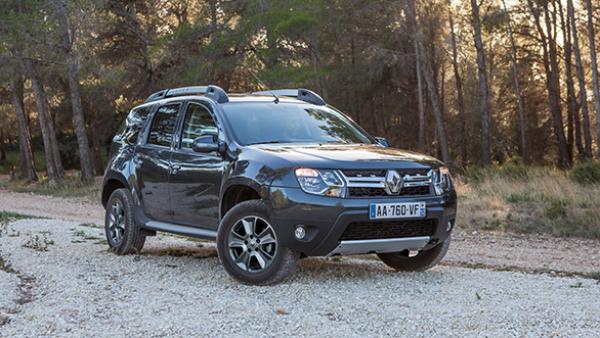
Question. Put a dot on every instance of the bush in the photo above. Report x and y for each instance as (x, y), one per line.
(556, 209)
(586, 173)
(515, 169)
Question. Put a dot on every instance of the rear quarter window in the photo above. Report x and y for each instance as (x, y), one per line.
(135, 122)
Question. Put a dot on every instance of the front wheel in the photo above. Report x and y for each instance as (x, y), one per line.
(423, 260)
(249, 248)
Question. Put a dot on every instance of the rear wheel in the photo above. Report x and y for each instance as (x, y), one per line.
(248, 246)
(122, 234)
(423, 260)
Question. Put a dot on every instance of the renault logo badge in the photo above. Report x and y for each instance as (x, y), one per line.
(393, 182)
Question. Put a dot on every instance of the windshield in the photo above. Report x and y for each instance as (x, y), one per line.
(262, 122)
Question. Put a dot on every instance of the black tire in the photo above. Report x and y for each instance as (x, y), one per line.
(282, 262)
(400, 261)
(132, 238)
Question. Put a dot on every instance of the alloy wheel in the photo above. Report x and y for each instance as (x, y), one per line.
(252, 243)
(116, 222)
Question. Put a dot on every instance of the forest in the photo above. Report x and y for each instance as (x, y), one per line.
(472, 82)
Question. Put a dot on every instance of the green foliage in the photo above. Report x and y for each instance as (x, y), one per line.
(556, 208)
(514, 169)
(586, 173)
(519, 197)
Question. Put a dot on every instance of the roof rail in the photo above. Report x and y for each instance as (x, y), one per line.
(212, 92)
(300, 93)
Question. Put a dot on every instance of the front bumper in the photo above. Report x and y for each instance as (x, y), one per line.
(326, 218)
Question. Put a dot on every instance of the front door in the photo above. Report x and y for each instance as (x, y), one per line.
(152, 163)
(195, 178)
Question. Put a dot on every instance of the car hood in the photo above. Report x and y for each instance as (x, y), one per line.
(347, 156)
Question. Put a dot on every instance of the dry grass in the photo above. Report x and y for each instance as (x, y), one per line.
(70, 186)
(530, 200)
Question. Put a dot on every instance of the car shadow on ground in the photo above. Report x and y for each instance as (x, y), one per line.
(313, 268)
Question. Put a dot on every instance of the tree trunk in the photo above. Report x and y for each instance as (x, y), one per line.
(484, 110)
(571, 100)
(459, 93)
(586, 152)
(87, 172)
(27, 162)
(2, 150)
(53, 162)
(518, 95)
(594, 65)
(550, 56)
(576, 119)
(431, 88)
(435, 105)
(412, 21)
(213, 39)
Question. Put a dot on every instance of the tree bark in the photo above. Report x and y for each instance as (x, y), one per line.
(412, 20)
(576, 119)
(517, 88)
(550, 56)
(53, 162)
(27, 166)
(2, 150)
(571, 100)
(586, 152)
(87, 171)
(213, 38)
(431, 88)
(459, 92)
(594, 65)
(484, 110)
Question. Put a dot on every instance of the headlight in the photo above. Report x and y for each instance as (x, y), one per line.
(442, 180)
(320, 182)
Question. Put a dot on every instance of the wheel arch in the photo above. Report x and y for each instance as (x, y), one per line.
(239, 190)
(111, 183)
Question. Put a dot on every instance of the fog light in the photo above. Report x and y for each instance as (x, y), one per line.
(449, 226)
(300, 232)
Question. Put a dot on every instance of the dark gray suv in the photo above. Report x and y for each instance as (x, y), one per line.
(272, 176)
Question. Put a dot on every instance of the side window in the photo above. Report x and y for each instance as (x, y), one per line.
(197, 121)
(163, 125)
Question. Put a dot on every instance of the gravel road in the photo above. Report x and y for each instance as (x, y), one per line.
(58, 279)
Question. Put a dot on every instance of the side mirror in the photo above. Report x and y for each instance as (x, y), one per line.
(382, 141)
(205, 144)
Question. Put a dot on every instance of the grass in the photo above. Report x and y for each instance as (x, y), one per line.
(12, 162)
(529, 200)
(13, 216)
(70, 186)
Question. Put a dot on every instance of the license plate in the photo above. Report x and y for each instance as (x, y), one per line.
(397, 210)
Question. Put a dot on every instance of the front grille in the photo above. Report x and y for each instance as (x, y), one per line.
(381, 173)
(389, 229)
(364, 173)
(371, 182)
(380, 192)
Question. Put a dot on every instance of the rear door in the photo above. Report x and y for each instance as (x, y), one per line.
(152, 160)
(196, 177)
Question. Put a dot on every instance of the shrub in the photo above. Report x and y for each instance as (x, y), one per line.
(586, 173)
(556, 209)
(514, 168)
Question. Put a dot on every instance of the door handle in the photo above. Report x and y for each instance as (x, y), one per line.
(175, 169)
